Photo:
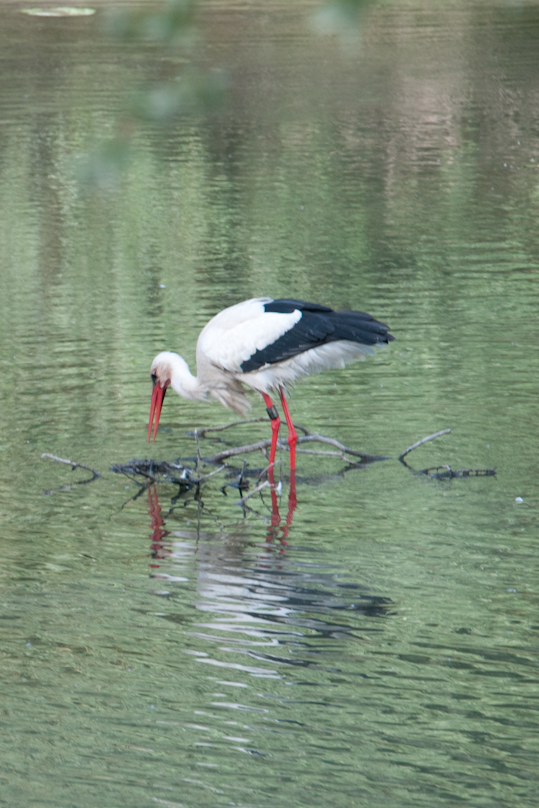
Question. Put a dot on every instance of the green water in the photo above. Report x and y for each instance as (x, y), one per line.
(181, 652)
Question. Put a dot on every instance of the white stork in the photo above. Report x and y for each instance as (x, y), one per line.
(265, 344)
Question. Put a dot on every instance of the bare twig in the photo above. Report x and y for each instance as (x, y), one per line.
(71, 463)
(422, 441)
(344, 449)
(211, 474)
(236, 450)
(321, 452)
(203, 430)
(258, 488)
(263, 444)
(74, 465)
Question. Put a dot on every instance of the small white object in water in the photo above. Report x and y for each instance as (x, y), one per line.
(59, 11)
(519, 499)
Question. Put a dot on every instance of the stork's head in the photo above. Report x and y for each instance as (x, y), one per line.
(161, 372)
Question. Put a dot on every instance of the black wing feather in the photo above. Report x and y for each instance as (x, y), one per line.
(318, 325)
(286, 305)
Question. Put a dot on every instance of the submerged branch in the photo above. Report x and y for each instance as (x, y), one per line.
(443, 472)
(155, 471)
(447, 473)
(189, 477)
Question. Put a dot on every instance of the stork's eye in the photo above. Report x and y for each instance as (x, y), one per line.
(154, 379)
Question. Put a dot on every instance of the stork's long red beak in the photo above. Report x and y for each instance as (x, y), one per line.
(158, 396)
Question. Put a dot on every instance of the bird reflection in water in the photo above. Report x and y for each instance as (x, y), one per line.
(272, 607)
(162, 548)
(273, 530)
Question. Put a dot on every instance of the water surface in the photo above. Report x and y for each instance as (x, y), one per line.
(383, 647)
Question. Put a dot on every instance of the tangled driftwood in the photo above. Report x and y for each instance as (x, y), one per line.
(188, 474)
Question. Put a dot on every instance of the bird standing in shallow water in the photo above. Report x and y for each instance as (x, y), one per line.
(267, 345)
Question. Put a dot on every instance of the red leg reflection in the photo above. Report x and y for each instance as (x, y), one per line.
(158, 548)
(292, 502)
(275, 513)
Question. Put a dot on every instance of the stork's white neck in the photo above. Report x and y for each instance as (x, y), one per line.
(182, 380)
(169, 365)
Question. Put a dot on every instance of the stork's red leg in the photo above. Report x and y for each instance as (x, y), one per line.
(292, 434)
(292, 439)
(275, 424)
